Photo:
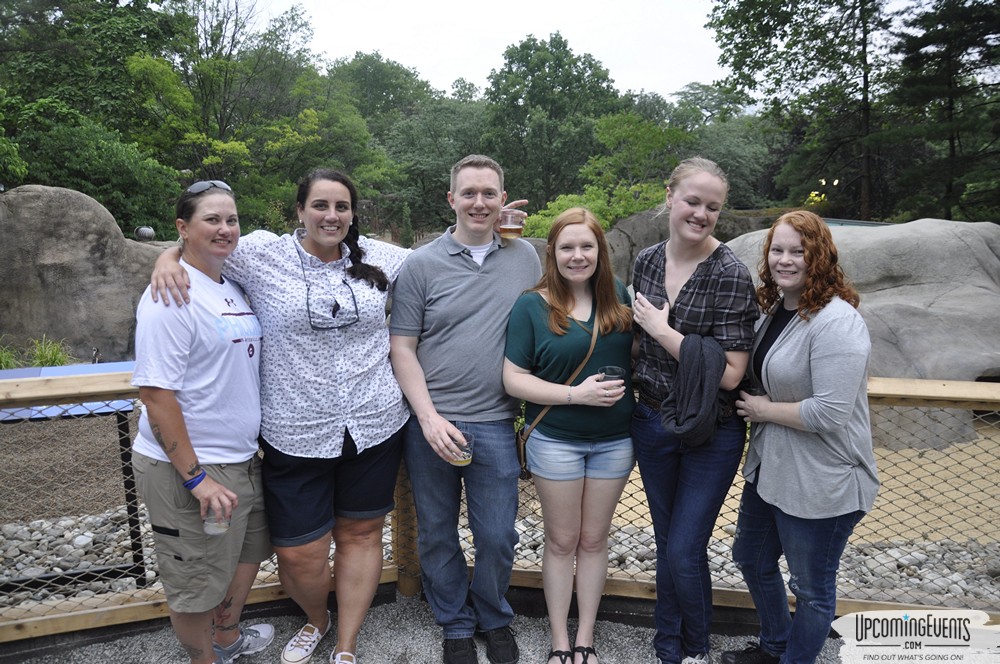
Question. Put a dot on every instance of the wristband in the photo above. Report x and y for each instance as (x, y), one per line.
(194, 481)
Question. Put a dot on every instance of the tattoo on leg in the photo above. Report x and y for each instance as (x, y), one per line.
(224, 616)
(193, 652)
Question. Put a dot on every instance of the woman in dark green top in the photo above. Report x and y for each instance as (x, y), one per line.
(580, 453)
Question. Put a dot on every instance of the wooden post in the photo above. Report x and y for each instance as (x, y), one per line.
(404, 537)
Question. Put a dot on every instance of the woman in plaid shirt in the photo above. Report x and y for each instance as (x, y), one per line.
(689, 284)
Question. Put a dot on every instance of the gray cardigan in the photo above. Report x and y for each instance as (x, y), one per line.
(829, 469)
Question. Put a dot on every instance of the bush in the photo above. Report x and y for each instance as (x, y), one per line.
(10, 358)
(48, 353)
(609, 208)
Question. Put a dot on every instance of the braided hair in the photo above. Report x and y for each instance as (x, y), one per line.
(359, 269)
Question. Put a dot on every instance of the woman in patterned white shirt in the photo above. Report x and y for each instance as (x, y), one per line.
(331, 408)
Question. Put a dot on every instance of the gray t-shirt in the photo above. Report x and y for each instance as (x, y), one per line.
(459, 311)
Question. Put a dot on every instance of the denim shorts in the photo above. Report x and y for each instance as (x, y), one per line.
(305, 495)
(553, 459)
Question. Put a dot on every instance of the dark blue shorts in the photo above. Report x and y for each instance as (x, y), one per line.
(304, 495)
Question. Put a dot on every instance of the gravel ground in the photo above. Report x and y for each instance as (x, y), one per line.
(400, 632)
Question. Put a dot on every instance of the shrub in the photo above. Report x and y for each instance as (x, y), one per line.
(48, 353)
(10, 358)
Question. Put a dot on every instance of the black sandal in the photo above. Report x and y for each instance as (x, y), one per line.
(586, 651)
(565, 656)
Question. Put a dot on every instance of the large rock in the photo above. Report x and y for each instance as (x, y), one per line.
(69, 273)
(930, 294)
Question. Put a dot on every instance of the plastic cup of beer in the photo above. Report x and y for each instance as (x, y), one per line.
(612, 373)
(215, 523)
(511, 224)
(465, 458)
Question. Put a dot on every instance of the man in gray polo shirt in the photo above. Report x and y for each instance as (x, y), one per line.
(449, 319)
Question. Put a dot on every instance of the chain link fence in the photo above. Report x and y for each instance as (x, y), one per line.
(74, 537)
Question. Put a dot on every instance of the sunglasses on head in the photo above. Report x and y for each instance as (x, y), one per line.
(205, 185)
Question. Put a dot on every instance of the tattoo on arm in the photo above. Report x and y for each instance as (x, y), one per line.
(195, 469)
(169, 449)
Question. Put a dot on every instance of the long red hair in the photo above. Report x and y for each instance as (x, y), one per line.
(612, 315)
(824, 276)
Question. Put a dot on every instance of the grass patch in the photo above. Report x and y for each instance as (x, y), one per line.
(10, 357)
(46, 352)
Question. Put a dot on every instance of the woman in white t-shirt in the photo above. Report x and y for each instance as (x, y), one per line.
(195, 454)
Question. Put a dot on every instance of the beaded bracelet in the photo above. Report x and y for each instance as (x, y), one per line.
(194, 481)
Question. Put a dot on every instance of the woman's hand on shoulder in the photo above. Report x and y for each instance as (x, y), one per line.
(170, 279)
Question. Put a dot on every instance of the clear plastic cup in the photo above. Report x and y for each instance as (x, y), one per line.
(612, 373)
(466, 458)
(215, 523)
(511, 224)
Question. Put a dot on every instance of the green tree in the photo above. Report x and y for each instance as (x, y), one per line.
(465, 91)
(623, 202)
(72, 151)
(76, 51)
(782, 49)
(384, 92)
(649, 106)
(543, 105)
(12, 166)
(751, 150)
(699, 104)
(634, 151)
(949, 91)
(426, 145)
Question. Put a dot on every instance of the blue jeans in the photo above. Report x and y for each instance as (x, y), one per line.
(812, 548)
(462, 606)
(685, 488)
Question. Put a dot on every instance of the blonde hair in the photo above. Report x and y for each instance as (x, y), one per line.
(692, 166)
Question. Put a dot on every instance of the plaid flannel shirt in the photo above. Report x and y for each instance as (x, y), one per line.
(718, 300)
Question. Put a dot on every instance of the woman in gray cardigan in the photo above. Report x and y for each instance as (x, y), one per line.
(810, 470)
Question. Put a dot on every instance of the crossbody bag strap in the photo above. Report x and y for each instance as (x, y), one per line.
(569, 381)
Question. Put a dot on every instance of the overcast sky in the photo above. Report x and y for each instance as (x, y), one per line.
(652, 45)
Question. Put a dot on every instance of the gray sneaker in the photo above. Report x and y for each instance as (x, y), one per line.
(252, 639)
(700, 658)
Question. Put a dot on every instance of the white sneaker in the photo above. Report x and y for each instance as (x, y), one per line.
(343, 658)
(300, 648)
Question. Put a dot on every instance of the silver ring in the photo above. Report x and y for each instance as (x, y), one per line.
(606, 392)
